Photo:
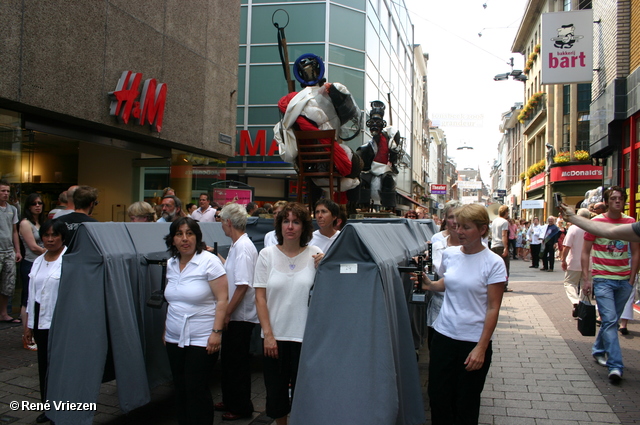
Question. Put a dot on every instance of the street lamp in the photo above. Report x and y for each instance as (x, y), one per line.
(516, 74)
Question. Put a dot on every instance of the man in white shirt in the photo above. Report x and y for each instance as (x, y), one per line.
(241, 316)
(206, 213)
(535, 242)
(326, 213)
(500, 238)
(571, 265)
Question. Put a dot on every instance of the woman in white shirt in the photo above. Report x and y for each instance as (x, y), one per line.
(44, 280)
(440, 241)
(474, 278)
(283, 278)
(197, 294)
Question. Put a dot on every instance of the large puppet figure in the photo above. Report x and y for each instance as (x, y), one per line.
(320, 106)
(379, 156)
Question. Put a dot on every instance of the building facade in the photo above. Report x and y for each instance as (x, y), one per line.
(555, 120)
(615, 110)
(126, 97)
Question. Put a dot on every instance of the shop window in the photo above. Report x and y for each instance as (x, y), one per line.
(356, 4)
(566, 99)
(346, 57)
(626, 162)
(566, 133)
(583, 131)
(306, 23)
(346, 27)
(584, 97)
(269, 87)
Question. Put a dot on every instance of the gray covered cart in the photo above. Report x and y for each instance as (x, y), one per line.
(358, 362)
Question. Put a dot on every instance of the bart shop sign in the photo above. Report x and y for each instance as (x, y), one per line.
(438, 189)
(575, 172)
(567, 47)
(148, 109)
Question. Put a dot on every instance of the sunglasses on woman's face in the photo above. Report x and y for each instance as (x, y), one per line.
(37, 203)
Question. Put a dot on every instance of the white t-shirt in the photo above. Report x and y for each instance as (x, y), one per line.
(44, 281)
(288, 282)
(240, 265)
(574, 240)
(321, 241)
(192, 305)
(438, 237)
(466, 277)
(497, 226)
(270, 239)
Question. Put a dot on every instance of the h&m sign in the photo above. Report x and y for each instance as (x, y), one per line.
(149, 109)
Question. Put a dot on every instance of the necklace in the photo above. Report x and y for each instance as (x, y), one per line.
(292, 264)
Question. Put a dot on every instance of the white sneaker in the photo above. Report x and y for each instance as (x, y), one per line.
(600, 359)
(615, 375)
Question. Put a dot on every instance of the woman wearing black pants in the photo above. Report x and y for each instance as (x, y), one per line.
(474, 278)
(44, 280)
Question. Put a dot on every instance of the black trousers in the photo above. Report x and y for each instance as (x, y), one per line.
(278, 373)
(514, 249)
(236, 368)
(454, 393)
(535, 254)
(41, 337)
(191, 368)
(548, 256)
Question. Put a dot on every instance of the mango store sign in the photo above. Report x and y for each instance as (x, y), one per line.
(257, 147)
(567, 47)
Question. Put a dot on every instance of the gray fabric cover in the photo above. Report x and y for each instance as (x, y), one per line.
(101, 310)
(358, 363)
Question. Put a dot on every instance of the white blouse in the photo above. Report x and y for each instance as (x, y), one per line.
(288, 282)
(44, 281)
(192, 305)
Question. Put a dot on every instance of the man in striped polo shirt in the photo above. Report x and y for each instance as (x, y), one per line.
(614, 261)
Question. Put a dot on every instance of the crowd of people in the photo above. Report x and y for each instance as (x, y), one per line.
(215, 303)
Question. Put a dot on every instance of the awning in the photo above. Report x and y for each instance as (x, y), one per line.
(412, 200)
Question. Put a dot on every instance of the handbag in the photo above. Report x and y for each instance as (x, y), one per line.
(586, 315)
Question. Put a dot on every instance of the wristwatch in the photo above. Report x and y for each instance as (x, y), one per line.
(216, 331)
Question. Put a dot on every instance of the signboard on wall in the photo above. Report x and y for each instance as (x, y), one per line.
(566, 50)
(241, 196)
(536, 181)
(472, 184)
(532, 205)
(576, 172)
(439, 189)
(148, 109)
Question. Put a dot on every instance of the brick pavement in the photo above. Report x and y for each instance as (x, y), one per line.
(542, 372)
